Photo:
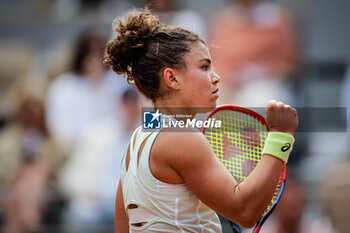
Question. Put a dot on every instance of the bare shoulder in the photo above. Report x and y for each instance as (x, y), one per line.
(182, 144)
(190, 156)
(186, 152)
(173, 153)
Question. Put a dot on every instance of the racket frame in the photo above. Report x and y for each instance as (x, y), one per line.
(261, 119)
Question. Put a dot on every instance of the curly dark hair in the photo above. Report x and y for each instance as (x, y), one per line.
(144, 48)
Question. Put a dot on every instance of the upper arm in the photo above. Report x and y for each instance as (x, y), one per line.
(121, 219)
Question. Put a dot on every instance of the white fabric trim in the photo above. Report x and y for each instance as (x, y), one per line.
(140, 215)
(171, 188)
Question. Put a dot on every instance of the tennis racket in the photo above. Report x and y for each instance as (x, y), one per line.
(238, 145)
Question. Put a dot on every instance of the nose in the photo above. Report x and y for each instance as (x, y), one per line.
(215, 78)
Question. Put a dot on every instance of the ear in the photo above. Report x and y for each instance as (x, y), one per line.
(170, 79)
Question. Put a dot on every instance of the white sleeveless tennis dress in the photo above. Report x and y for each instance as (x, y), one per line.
(162, 207)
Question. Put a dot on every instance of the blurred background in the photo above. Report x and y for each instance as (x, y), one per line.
(65, 119)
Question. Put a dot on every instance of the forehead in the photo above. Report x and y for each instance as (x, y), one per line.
(198, 52)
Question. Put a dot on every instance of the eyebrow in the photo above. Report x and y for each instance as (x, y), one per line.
(206, 59)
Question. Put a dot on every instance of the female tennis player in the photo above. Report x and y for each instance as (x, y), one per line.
(172, 181)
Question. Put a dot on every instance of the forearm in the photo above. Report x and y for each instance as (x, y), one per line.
(257, 190)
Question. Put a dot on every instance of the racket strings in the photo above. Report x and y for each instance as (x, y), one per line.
(238, 144)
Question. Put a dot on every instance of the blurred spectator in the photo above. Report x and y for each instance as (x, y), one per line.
(254, 49)
(15, 61)
(29, 160)
(336, 195)
(79, 97)
(90, 177)
(335, 187)
(345, 100)
(171, 13)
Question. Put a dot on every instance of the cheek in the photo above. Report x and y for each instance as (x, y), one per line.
(198, 86)
(203, 87)
(203, 91)
(205, 82)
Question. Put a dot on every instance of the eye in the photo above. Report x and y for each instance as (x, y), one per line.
(205, 67)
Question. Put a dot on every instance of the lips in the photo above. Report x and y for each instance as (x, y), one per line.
(216, 91)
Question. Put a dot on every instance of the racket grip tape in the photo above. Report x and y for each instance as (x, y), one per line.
(279, 145)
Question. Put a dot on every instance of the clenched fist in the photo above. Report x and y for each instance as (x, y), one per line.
(281, 117)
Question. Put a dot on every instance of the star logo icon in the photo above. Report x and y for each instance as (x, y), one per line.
(156, 115)
(152, 119)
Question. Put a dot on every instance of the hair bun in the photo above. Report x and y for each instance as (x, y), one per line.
(133, 34)
(137, 28)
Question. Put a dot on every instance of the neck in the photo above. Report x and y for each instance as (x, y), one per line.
(176, 109)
